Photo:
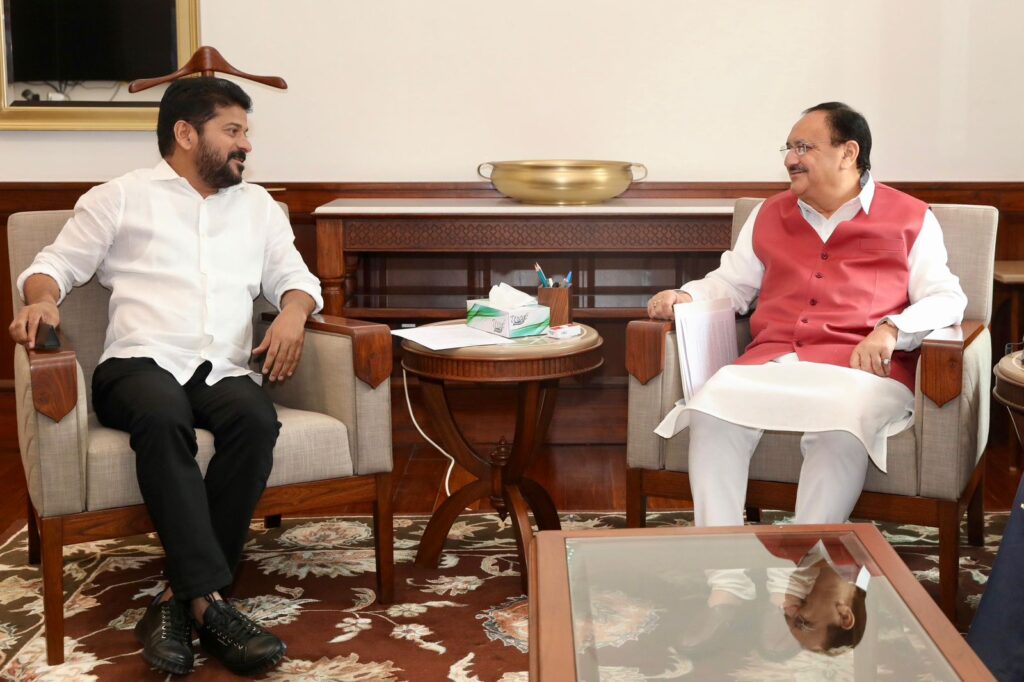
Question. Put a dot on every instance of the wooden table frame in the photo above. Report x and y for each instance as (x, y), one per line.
(551, 638)
(500, 474)
(350, 230)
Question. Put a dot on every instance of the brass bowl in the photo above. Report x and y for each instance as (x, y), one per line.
(561, 182)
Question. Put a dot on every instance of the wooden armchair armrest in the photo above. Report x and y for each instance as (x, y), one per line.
(371, 344)
(942, 355)
(645, 348)
(54, 378)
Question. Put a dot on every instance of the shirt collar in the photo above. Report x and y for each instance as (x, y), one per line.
(864, 198)
(164, 171)
(819, 552)
(867, 192)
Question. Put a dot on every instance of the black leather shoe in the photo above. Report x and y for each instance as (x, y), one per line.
(165, 632)
(240, 644)
(715, 628)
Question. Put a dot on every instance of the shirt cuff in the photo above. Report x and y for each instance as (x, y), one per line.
(696, 291)
(904, 340)
(41, 269)
(305, 287)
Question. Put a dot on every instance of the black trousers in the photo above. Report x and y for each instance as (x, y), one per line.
(202, 524)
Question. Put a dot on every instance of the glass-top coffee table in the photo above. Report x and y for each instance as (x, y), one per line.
(788, 603)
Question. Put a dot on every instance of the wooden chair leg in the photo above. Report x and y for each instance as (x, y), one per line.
(976, 515)
(33, 535)
(949, 557)
(384, 539)
(636, 501)
(272, 521)
(753, 514)
(51, 540)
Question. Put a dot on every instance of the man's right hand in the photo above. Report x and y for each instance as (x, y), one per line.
(660, 305)
(25, 325)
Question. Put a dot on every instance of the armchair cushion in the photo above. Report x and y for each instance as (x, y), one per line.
(311, 447)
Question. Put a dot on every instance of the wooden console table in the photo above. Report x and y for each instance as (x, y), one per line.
(355, 237)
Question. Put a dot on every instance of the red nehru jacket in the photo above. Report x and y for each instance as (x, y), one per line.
(820, 300)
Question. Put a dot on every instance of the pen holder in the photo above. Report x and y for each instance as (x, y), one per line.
(557, 299)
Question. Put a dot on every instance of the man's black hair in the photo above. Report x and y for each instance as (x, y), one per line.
(848, 124)
(195, 100)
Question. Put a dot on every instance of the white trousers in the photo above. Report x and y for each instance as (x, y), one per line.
(831, 477)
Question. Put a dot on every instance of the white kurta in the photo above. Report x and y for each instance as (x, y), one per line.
(804, 397)
(790, 395)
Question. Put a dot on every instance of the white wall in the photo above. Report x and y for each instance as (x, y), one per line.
(409, 90)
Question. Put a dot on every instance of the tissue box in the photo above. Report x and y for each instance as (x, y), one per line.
(527, 320)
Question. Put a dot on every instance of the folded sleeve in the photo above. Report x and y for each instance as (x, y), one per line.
(936, 298)
(72, 259)
(283, 267)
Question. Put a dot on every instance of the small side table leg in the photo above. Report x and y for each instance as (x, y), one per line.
(521, 528)
(436, 532)
(499, 460)
(543, 507)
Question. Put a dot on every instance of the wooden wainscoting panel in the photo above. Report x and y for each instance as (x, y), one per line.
(303, 198)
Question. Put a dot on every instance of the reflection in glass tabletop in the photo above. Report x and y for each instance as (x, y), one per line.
(804, 606)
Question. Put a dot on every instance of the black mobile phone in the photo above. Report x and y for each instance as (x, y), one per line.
(46, 337)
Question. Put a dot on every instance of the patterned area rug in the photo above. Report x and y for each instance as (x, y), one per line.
(312, 582)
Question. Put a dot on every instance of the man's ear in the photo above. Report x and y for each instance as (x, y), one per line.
(185, 135)
(846, 617)
(851, 152)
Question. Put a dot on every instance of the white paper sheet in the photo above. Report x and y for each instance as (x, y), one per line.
(446, 336)
(706, 336)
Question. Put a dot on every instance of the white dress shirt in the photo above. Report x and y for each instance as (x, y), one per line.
(183, 271)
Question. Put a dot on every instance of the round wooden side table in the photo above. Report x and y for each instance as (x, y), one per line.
(1009, 276)
(1009, 389)
(533, 365)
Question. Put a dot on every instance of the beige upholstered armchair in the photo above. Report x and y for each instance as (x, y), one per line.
(935, 468)
(334, 446)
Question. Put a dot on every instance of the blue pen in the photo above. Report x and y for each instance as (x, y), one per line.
(540, 275)
(568, 279)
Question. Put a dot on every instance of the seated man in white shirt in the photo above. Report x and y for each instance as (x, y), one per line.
(850, 276)
(184, 248)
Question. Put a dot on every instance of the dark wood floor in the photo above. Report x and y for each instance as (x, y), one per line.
(584, 466)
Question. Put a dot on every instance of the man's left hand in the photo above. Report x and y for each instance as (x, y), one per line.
(284, 339)
(874, 353)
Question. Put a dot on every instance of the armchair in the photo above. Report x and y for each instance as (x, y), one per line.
(936, 468)
(334, 446)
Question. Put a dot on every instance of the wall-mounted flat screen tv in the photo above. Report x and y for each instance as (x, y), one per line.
(90, 40)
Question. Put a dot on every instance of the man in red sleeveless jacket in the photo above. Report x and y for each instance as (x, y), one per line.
(850, 276)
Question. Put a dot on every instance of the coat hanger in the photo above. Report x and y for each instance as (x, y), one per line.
(206, 60)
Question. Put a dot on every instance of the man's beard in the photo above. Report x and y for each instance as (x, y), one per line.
(216, 172)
